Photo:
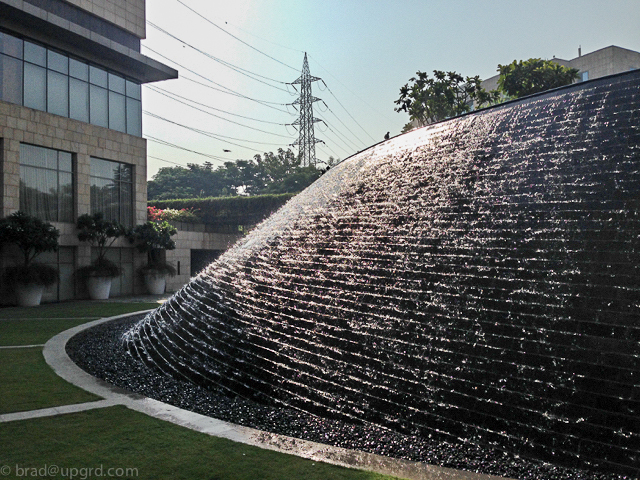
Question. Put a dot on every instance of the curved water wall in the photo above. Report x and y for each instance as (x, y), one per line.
(477, 279)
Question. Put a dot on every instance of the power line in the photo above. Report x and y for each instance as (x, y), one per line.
(164, 142)
(168, 93)
(214, 115)
(231, 35)
(350, 91)
(233, 67)
(216, 134)
(231, 92)
(205, 133)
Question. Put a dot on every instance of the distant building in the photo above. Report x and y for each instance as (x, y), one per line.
(71, 124)
(603, 62)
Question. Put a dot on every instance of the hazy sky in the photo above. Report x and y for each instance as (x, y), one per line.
(364, 50)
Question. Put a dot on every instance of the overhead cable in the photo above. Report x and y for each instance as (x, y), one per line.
(159, 90)
(232, 35)
(217, 116)
(235, 68)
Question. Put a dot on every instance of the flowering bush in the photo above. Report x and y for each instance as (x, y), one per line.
(172, 215)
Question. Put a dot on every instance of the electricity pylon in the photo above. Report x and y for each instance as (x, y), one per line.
(306, 141)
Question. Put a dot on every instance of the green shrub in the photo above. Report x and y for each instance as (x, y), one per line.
(32, 236)
(225, 211)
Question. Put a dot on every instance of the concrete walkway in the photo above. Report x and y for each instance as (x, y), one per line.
(55, 355)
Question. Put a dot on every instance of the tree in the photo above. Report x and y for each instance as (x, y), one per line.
(100, 234)
(191, 182)
(33, 237)
(519, 78)
(269, 173)
(429, 100)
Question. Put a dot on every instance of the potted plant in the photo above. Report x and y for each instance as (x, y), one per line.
(101, 234)
(153, 238)
(32, 236)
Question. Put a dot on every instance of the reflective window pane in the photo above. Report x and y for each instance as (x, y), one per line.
(112, 190)
(78, 69)
(104, 168)
(133, 90)
(117, 116)
(45, 191)
(35, 54)
(79, 100)
(10, 79)
(11, 45)
(58, 94)
(35, 87)
(98, 106)
(134, 117)
(65, 163)
(116, 83)
(58, 62)
(65, 186)
(97, 76)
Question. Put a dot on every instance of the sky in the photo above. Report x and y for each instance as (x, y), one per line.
(237, 58)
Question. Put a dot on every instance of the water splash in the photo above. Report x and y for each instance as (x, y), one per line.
(476, 279)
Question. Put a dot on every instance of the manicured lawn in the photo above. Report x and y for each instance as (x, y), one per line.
(119, 438)
(81, 308)
(115, 437)
(36, 325)
(28, 383)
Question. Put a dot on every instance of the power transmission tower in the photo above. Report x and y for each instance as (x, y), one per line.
(306, 141)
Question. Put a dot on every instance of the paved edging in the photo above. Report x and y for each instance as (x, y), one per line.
(55, 355)
(60, 410)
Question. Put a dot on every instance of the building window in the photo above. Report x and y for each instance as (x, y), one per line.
(584, 76)
(46, 183)
(46, 80)
(112, 190)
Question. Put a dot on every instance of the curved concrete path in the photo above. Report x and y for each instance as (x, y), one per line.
(56, 356)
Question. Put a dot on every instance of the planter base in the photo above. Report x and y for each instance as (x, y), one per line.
(99, 287)
(155, 284)
(29, 295)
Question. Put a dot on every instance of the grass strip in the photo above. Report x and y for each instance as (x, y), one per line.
(28, 383)
(120, 439)
(83, 308)
(36, 325)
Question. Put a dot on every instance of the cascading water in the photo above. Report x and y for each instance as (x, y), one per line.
(475, 279)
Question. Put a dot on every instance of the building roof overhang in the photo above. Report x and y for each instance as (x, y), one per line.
(40, 25)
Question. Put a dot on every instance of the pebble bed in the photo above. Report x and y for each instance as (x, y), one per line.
(100, 352)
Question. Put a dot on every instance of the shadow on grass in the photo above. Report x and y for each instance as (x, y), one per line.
(118, 438)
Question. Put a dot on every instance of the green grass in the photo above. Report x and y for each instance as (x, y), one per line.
(36, 325)
(116, 437)
(85, 308)
(28, 383)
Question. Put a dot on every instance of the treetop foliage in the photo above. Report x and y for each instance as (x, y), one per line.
(535, 75)
(446, 95)
(279, 172)
(428, 100)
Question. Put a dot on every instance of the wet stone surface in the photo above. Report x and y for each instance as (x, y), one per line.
(100, 352)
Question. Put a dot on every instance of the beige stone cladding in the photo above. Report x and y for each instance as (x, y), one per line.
(127, 14)
(24, 125)
(197, 239)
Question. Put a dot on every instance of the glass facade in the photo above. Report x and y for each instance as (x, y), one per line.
(112, 190)
(37, 77)
(46, 183)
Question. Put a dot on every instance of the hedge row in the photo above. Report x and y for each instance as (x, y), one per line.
(226, 211)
